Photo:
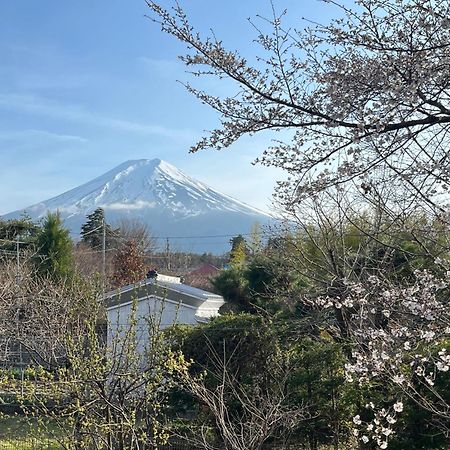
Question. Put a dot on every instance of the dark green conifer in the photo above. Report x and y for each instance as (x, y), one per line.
(54, 248)
(92, 230)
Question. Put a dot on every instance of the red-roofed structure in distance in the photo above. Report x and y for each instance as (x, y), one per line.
(201, 276)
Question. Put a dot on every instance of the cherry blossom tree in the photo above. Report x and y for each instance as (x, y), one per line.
(379, 286)
(399, 336)
(364, 101)
(365, 96)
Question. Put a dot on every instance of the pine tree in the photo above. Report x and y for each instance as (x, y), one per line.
(54, 248)
(22, 229)
(92, 230)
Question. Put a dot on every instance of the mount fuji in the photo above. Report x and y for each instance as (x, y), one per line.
(194, 216)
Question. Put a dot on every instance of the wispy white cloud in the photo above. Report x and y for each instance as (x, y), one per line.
(32, 104)
(38, 135)
(140, 204)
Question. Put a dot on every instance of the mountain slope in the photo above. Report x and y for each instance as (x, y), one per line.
(157, 193)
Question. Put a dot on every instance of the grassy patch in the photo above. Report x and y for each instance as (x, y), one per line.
(21, 433)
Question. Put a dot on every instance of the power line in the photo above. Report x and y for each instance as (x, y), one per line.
(104, 253)
(89, 232)
(14, 252)
(202, 237)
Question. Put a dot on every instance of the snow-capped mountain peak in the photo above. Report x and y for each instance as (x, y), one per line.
(157, 193)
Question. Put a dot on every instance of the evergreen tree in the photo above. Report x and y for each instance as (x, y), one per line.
(23, 229)
(238, 251)
(92, 230)
(54, 248)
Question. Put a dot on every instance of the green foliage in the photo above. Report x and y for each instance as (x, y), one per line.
(54, 249)
(250, 339)
(11, 230)
(238, 252)
(318, 383)
(92, 231)
(419, 428)
(271, 285)
(246, 341)
(271, 334)
(257, 349)
(236, 365)
(360, 246)
(263, 285)
(23, 433)
(108, 397)
(231, 284)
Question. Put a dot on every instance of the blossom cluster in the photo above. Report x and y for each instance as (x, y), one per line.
(399, 335)
(380, 427)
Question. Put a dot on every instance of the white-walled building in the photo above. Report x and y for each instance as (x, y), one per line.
(163, 301)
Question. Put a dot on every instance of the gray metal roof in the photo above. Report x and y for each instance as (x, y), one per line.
(177, 292)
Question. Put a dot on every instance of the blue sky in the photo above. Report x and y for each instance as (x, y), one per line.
(88, 84)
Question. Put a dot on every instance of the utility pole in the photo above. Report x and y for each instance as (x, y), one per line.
(187, 261)
(168, 253)
(18, 258)
(104, 253)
